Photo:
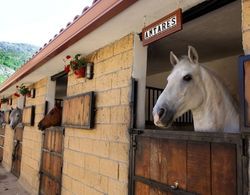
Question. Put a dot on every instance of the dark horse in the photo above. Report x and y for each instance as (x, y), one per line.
(2, 119)
(53, 118)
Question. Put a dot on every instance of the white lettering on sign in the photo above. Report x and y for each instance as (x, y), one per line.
(165, 25)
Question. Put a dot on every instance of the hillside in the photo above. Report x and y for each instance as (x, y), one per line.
(12, 56)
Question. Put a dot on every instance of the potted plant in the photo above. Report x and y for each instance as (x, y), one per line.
(77, 64)
(4, 100)
(23, 90)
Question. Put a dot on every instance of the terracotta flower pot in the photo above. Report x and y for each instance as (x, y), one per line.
(79, 73)
(16, 94)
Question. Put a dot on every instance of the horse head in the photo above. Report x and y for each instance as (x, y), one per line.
(182, 92)
(15, 117)
(53, 118)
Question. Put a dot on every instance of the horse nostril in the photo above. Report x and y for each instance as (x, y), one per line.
(161, 112)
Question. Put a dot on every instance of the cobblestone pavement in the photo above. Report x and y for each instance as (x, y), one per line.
(9, 184)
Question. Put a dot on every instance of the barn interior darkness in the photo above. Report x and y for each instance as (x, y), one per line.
(61, 88)
(217, 36)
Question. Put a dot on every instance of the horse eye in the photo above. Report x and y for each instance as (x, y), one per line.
(187, 77)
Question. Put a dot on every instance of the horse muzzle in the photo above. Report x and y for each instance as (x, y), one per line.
(41, 126)
(163, 117)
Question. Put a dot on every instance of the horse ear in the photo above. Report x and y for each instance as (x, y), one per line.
(173, 59)
(193, 55)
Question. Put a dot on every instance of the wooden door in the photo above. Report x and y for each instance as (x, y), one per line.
(2, 135)
(199, 165)
(52, 161)
(17, 151)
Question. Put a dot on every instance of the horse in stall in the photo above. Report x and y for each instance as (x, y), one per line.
(15, 117)
(192, 86)
(2, 119)
(53, 118)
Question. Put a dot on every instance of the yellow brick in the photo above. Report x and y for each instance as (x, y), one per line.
(104, 53)
(103, 115)
(109, 168)
(32, 163)
(108, 66)
(124, 44)
(67, 182)
(91, 178)
(86, 145)
(36, 154)
(108, 98)
(123, 172)
(74, 143)
(116, 187)
(77, 187)
(126, 59)
(103, 82)
(113, 132)
(74, 157)
(246, 41)
(121, 78)
(101, 148)
(91, 191)
(88, 85)
(245, 15)
(38, 118)
(66, 142)
(41, 91)
(74, 171)
(102, 184)
(92, 163)
(125, 95)
(65, 192)
(120, 114)
(42, 82)
(119, 151)
(39, 100)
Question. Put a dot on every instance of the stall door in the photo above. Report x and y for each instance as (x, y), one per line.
(2, 135)
(52, 161)
(17, 151)
(186, 163)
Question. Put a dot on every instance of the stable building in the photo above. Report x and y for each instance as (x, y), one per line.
(107, 142)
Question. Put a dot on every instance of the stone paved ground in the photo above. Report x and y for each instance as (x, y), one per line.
(9, 184)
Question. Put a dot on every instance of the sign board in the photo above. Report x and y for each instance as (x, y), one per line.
(162, 27)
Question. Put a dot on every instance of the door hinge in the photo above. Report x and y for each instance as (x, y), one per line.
(135, 131)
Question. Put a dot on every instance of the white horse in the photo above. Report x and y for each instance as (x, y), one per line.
(15, 117)
(192, 86)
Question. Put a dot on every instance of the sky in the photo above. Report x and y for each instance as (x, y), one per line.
(36, 22)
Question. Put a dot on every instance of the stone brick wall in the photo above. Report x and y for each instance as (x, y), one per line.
(32, 140)
(8, 140)
(96, 161)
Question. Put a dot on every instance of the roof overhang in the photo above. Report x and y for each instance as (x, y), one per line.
(103, 23)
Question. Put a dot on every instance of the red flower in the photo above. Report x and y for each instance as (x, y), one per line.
(68, 57)
(16, 94)
(67, 68)
(17, 86)
(29, 94)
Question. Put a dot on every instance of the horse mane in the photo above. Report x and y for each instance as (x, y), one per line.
(221, 85)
